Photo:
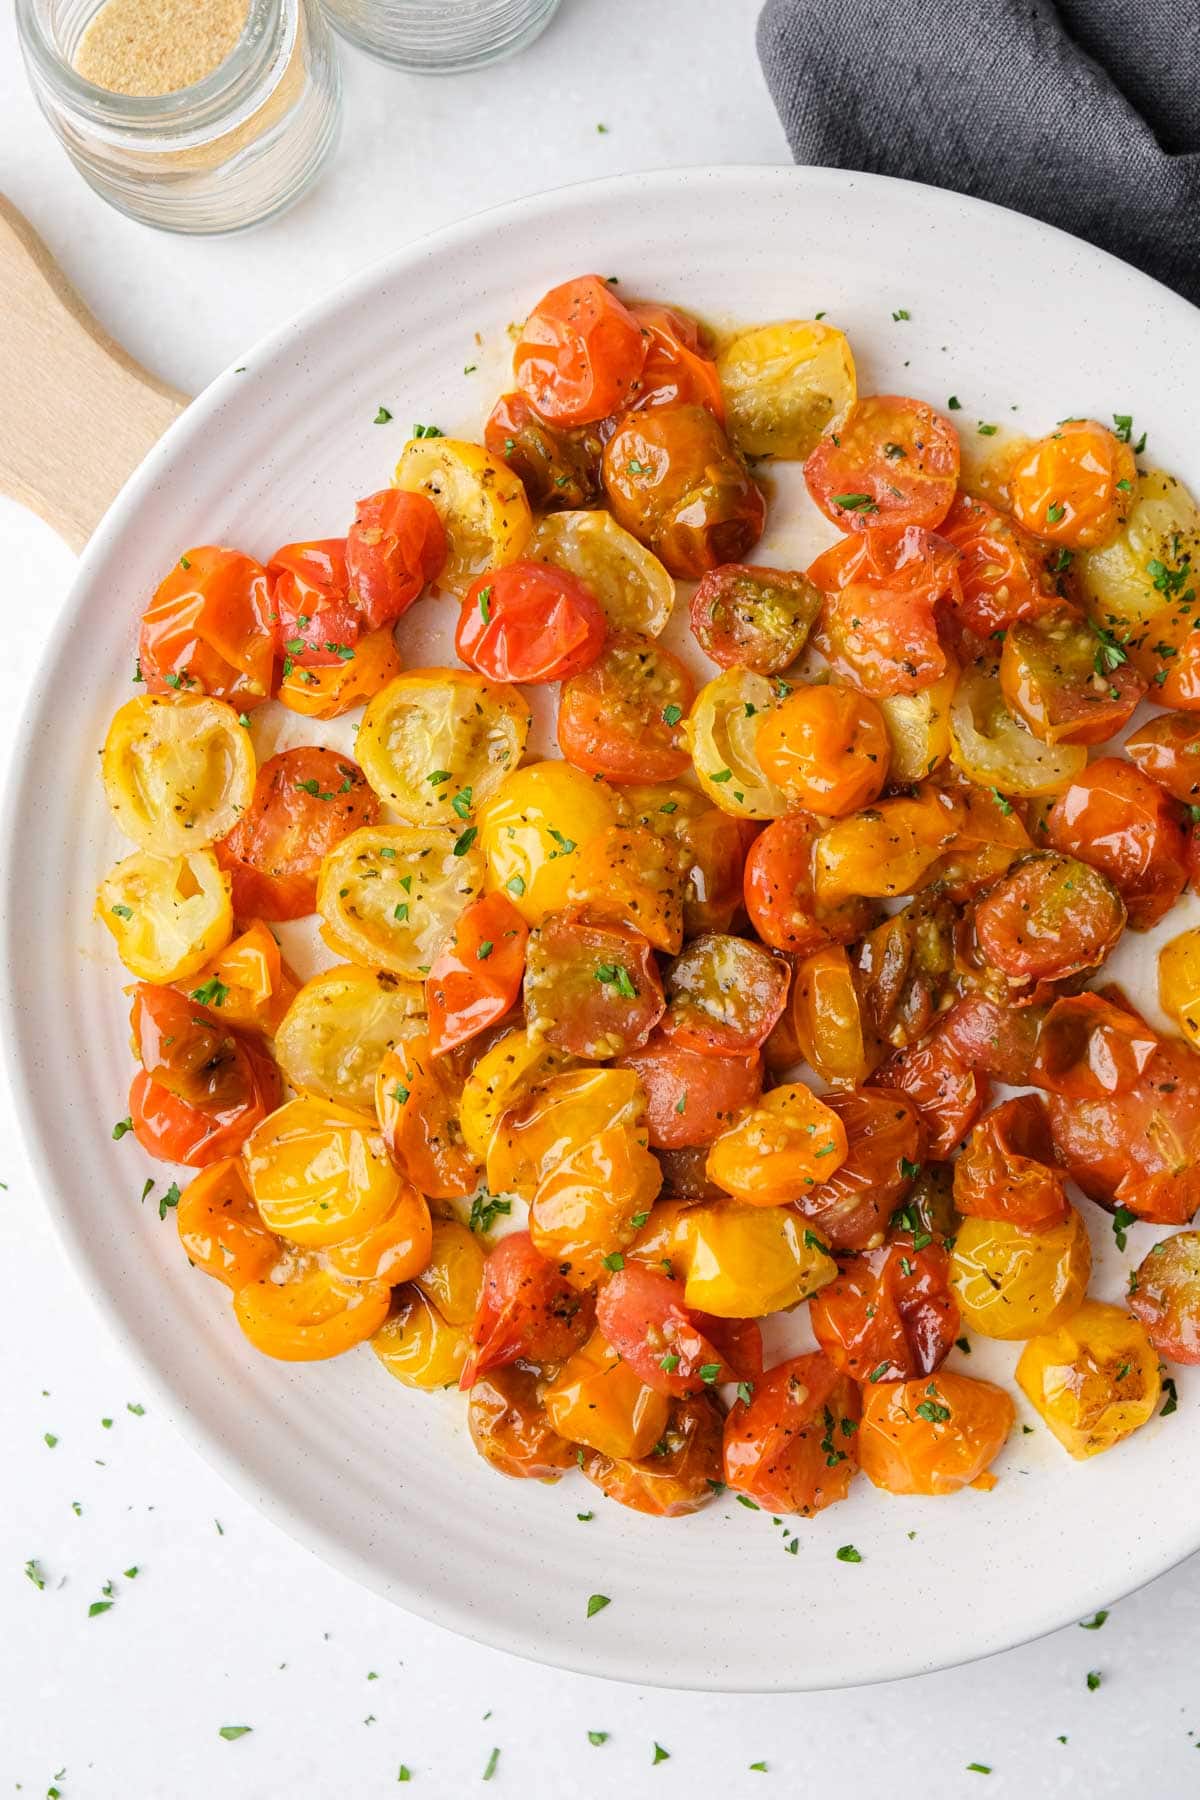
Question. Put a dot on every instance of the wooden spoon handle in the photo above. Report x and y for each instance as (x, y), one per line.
(77, 415)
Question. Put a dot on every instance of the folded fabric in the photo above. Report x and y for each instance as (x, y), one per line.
(1085, 114)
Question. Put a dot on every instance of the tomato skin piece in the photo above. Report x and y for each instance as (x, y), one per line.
(787, 1450)
(528, 1311)
(879, 627)
(781, 898)
(915, 487)
(591, 988)
(186, 1048)
(724, 995)
(948, 1093)
(313, 615)
(744, 616)
(1119, 821)
(559, 467)
(622, 716)
(1164, 1293)
(676, 372)
(691, 1096)
(673, 479)
(1003, 573)
(1090, 1046)
(580, 353)
(1074, 488)
(470, 987)
(1006, 1168)
(1054, 677)
(208, 628)
(394, 549)
(682, 1472)
(947, 1447)
(1050, 917)
(510, 1430)
(885, 1141)
(827, 748)
(890, 1315)
(641, 1313)
(220, 1227)
(529, 622)
(274, 853)
(173, 1130)
(1167, 749)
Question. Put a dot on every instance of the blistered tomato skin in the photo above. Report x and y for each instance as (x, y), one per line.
(1056, 679)
(311, 1314)
(220, 1227)
(677, 371)
(743, 1261)
(315, 621)
(932, 1437)
(580, 353)
(690, 1096)
(529, 622)
(642, 1314)
(559, 466)
(724, 994)
(1076, 487)
(890, 1315)
(780, 891)
(320, 1173)
(394, 548)
(528, 1311)
(890, 461)
(1122, 823)
(534, 832)
(1093, 1379)
(1014, 1283)
(794, 1448)
(948, 1093)
(1164, 1293)
(1167, 749)
(417, 1104)
(621, 718)
(1003, 574)
(591, 988)
(586, 1209)
(476, 979)
(879, 625)
(1007, 1168)
(672, 478)
(596, 1400)
(885, 1141)
(176, 1130)
(207, 629)
(1090, 1046)
(305, 801)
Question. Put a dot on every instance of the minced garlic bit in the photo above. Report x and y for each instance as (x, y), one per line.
(158, 46)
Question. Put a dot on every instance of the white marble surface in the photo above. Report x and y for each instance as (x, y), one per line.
(238, 1626)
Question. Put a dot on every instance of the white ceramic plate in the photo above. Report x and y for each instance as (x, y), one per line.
(1024, 325)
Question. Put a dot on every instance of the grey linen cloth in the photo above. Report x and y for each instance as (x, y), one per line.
(1085, 113)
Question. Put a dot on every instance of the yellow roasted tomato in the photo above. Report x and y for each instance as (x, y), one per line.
(633, 875)
(827, 1018)
(742, 1261)
(340, 1027)
(178, 772)
(248, 981)
(331, 689)
(597, 1400)
(394, 1250)
(998, 751)
(417, 1100)
(561, 1113)
(1179, 982)
(887, 849)
(1012, 1283)
(505, 1075)
(784, 385)
(1094, 1380)
(1119, 580)
(435, 743)
(170, 915)
(634, 590)
(932, 1435)
(221, 1229)
(302, 1312)
(532, 830)
(788, 1142)
(389, 895)
(452, 1279)
(418, 1346)
(918, 727)
(722, 730)
(480, 502)
(591, 1205)
(320, 1173)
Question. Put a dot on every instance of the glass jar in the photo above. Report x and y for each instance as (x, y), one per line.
(233, 149)
(440, 37)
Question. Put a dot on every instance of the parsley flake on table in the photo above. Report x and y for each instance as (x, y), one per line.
(660, 1755)
(33, 1571)
(1095, 1622)
(492, 1760)
(1094, 1678)
(232, 1732)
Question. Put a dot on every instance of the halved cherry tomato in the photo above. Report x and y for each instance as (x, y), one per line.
(746, 617)
(890, 1315)
(591, 988)
(1051, 917)
(932, 1437)
(829, 1021)
(682, 1472)
(1122, 823)
(642, 1315)
(723, 995)
(316, 623)
(1006, 1170)
(580, 353)
(417, 1104)
(1167, 749)
(781, 898)
(476, 979)
(530, 622)
(879, 627)
(1074, 487)
(632, 875)
(827, 748)
(550, 1115)
(509, 1427)
(885, 1141)
(1012, 1283)
(396, 1248)
(685, 1171)
(948, 1093)
(310, 1315)
(1003, 574)
(305, 801)
(889, 461)
(331, 690)
(595, 1401)
(591, 1203)
(677, 371)
(221, 1229)
(673, 479)
(394, 549)
(248, 983)
(528, 1313)
(906, 968)
(887, 849)
(621, 716)
(1089, 1047)
(994, 1037)
(208, 628)
(990, 838)
(794, 1448)
(742, 1262)
(173, 1130)
(710, 850)
(1053, 673)
(559, 467)
(1093, 1378)
(787, 1143)
(690, 1096)
(1164, 1293)
(320, 1173)
(188, 1050)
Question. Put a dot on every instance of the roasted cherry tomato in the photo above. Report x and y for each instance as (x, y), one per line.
(723, 995)
(332, 689)
(888, 849)
(320, 1173)
(879, 627)
(1007, 1171)
(580, 353)
(827, 748)
(743, 1261)
(1054, 675)
(417, 1104)
(311, 1314)
(677, 370)
(641, 1313)
(558, 466)
(591, 988)
(784, 384)
(437, 743)
(509, 1427)
(890, 1315)
(1179, 983)
(932, 1437)
(682, 1472)
(394, 549)
(828, 1019)
(1013, 1283)
(890, 461)
(745, 617)
(1093, 1379)
(187, 1049)
(248, 983)
(418, 1345)
(634, 590)
(396, 1248)
(339, 1028)
(906, 969)
(1075, 487)
(1090, 1046)
(947, 1091)
(885, 1141)
(591, 1203)
(996, 1038)
(780, 894)
(710, 851)
(316, 622)
(1122, 823)
(621, 717)
(477, 978)
(169, 915)
(554, 1110)
(1164, 1293)
(208, 628)
(175, 1130)
(528, 1312)
(529, 622)
(512, 1066)
(634, 876)
(1167, 749)
(1003, 574)
(177, 772)
(596, 1401)
(452, 1279)
(787, 1143)
(673, 479)
(389, 895)
(221, 1229)
(305, 801)
(535, 831)
(690, 1096)
(998, 751)
(1051, 917)
(793, 1448)
(685, 1173)
(990, 838)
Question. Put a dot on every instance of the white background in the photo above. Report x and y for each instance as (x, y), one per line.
(239, 1626)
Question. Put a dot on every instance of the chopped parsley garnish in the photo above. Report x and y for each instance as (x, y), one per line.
(1094, 1679)
(860, 503)
(485, 1210)
(34, 1573)
(848, 1553)
(933, 1412)
(660, 1755)
(436, 777)
(463, 843)
(427, 431)
(672, 714)
(485, 603)
(708, 1373)
(670, 1362)
(515, 885)
(597, 1737)
(492, 1760)
(1054, 512)
(613, 1262)
(213, 993)
(232, 1732)
(1122, 1219)
(168, 1200)
(382, 417)
(954, 404)
(484, 950)
(597, 1603)
(901, 312)
(121, 1127)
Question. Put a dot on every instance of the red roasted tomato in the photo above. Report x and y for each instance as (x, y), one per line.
(622, 717)
(1122, 823)
(305, 801)
(886, 1140)
(882, 587)
(1003, 574)
(592, 987)
(890, 461)
(208, 628)
(528, 1311)
(792, 1449)
(676, 372)
(316, 622)
(640, 1312)
(580, 353)
(530, 622)
(394, 549)
(691, 1096)
(891, 1314)
(476, 979)
(724, 994)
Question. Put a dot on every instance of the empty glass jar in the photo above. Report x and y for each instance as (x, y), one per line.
(440, 37)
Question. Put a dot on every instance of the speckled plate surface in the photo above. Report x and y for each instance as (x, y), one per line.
(1024, 325)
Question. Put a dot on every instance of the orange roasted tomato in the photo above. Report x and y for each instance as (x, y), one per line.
(1089, 1045)
(888, 849)
(691, 1096)
(889, 461)
(794, 1447)
(416, 1097)
(305, 801)
(1075, 487)
(681, 1474)
(789, 1142)
(781, 895)
(221, 1229)
(1003, 574)
(827, 748)
(1093, 1379)
(1054, 675)
(1007, 1168)
(1164, 1293)
(557, 465)
(302, 1312)
(746, 617)
(580, 353)
(590, 1206)
(208, 628)
(332, 689)
(394, 549)
(476, 980)
(591, 988)
(890, 1314)
(1167, 749)
(529, 622)
(528, 1312)
(596, 1401)
(396, 1249)
(677, 371)
(828, 1020)
(948, 1092)
(202, 1088)
(724, 994)
(316, 622)
(673, 479)
(248, 984)
(882, 586)
(549, 1109)
(1122, 823)
(709, 851)
(641, 1313)
(932, 1437)
(320, 1173)
(621, 717)
(1050, 917)
(885, 1141)
(510, 1429)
